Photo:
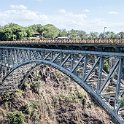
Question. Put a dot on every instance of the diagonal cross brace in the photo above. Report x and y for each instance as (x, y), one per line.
(55, 57)
(106, 81)
(65, 60)
(119, 77)
(99, 73)
(47, 56)
(77, 64)
(84, 67)
(91, 69)
(118, 91)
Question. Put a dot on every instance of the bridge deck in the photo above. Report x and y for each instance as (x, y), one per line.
(107, 45)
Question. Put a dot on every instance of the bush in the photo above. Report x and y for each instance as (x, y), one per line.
(69, 98)
(8, 96)
(121, 102)
(36, 117)
(15, 118)
(32, 110)
(106, 65)
(36, 86)
(30, 107)
(18, 92)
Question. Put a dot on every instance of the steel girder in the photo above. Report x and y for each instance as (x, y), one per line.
(99, 73)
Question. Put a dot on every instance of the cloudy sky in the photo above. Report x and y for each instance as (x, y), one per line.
(88, 15)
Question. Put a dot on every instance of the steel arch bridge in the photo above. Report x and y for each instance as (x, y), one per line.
(87, 68)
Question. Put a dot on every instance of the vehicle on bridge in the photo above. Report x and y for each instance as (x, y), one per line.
(62, 38)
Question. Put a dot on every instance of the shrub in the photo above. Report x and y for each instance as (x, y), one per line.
(36, 86)
(121, 102)
(18, 92)
(36, 117)
(69, 97)
(32, 110)
(15, 118)
(30, 107)
(7, 96)
(106, 65)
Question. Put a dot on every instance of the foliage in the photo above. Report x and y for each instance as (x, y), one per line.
(30, 107)
(14, 31)
(16, 118)
(120, 35)
(74, 34)
(121, 102)
(110, 35)
(106, 65)
(93, 35)
(32, 110)
(35, 117)
(71, 97)
(7, 96)
(63, 33)
(35, 86)
(83, 35)
(18, 92)
(50, 31)
(29, 31)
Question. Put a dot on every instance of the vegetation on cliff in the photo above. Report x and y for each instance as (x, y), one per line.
(50, 97)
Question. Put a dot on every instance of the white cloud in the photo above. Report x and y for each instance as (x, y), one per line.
(113, 12)
(18, 7)
(62, 11)
(63, 19)
(22, 15)
(69, 20)
(87, 10)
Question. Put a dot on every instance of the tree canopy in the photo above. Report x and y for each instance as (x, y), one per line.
(14, 31)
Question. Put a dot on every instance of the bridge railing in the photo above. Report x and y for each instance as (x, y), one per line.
(68, 41)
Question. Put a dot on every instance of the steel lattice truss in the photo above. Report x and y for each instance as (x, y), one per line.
(99, 73)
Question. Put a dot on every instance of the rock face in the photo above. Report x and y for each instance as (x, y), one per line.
(50, 97)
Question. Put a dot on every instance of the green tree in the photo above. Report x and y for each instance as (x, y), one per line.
(101, 35)
(40, 29)
(50, 31)
(35, 27)
(110, 35)
(29, 31)
(13, 32)
(120, 35)
(74, 34)
(63, 33)
(83, 35)
(7, 34)
(93, 35)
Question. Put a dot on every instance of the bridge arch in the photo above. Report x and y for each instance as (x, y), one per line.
(81, 65)
(98, 99)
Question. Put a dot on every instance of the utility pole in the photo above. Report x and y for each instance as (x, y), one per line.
(42, 35)
(104, 32)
